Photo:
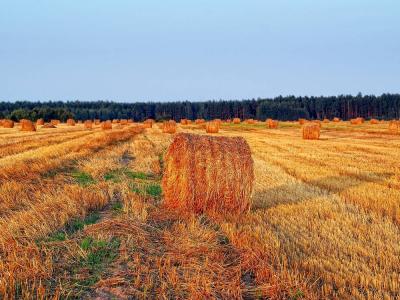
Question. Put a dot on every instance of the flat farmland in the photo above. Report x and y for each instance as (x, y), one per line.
(82, 216)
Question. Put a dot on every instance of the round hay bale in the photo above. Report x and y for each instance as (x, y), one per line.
(374, 121)
(208, 174)
(97, 121)
(27, 125)
(394, 126)
(250, 121)
(302, 121)
(48, 125)
(272, 124)
(325, 120)
(123, 122)
(317, 122)
(228, 121)
(357, 121)
(8, 123)
(184, 122)
(39, 122)
(212, 127)
(71, 122)
(199, 121)
(311, 131)
(115, 121)
(236, 121)
(88, 124)
(55, 122)
(169, 127)
(336, 120)
(106, 125)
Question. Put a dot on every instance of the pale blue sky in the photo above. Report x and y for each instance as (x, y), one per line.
(197, 50)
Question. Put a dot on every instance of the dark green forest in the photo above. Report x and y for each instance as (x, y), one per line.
(386, 106)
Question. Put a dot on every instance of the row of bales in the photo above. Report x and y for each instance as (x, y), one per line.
(28, 125)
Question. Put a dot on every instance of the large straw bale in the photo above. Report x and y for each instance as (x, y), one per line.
(336, 120)
(88, 124)
(55, 122)
(311, 131)
(8, 123)
(169, 126)
(374, 121)
(27, 125)
(394, 126)
(106, 125)
(212, 127)
(199, 121)
(208, 174)
(39, 122)
(236, 121)
(71, 122)
(272, 124)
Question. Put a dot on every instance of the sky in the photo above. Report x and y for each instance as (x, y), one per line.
(174, 50)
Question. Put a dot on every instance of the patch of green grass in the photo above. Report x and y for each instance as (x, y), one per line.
(117, 206)
(113, 176)
(99, 254)
(58, 236)
(78, 224)
(137, 175)
(82, 178)
(297, 295)
(154, 190)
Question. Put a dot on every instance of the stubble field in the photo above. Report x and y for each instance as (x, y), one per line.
(81, 216)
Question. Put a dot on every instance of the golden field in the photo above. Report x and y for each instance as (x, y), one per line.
(81, 216)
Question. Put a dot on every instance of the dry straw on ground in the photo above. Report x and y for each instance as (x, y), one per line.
(71, 122)
(49, 125)
(272, 124)
(123, 122)
(106, 125)
(236, 121)
(97, 122)
(148, 123)
(27, 125)
(208, 174)
(212, 127)
(311, 131)
(169, 127)
(8, 124)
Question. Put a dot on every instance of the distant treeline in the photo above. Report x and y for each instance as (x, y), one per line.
(386, 106)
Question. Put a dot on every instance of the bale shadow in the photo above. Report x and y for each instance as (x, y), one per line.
(303, 190)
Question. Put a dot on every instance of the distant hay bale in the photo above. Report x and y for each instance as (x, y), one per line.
(228, 121)
(357, 121)
(8, 123)
(272, 124)
(184, 122)
(48, 125)
(212, 127)
(88, 124)
(326, 120)
(394, 126)
(97, 122)
(336, 120)
(27, 125)
(208, 174)
(317, 122)
(39, 122)
(302, 121)
(236, 121)
(106, 125)
(148, 123)
(130, 121)
(55, 122)
(311, 131)
(199, 121)
(374, 121)
(169, 127)
(123, 121)
(71, 122)
(115, 121)
(250, 121)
